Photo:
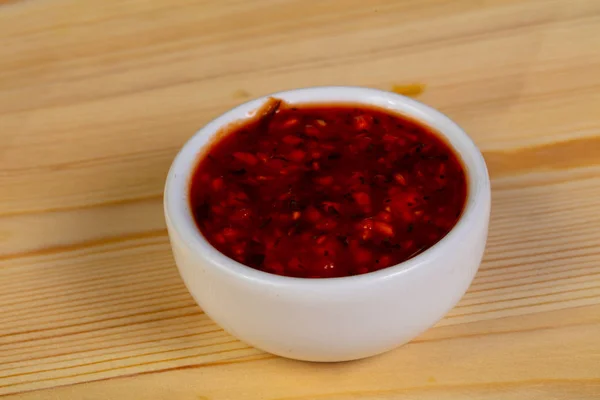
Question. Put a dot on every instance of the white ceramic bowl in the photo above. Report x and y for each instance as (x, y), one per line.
(333, 319)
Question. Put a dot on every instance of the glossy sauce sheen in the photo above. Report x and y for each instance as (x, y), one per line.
(320, 191)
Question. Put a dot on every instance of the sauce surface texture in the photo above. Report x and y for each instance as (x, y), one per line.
(320, 191)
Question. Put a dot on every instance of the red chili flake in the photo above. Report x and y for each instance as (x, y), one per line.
(275, 267)
(297, 155)
(362, 255)
(241, 216)
(324, 180)
(383, 228)
(362, 270)
(400, 179)
(326, 225)
(387, 138)
(312, 130)
(355, 190)
(230, 234)
(217, 209)
(312, 215)
(219, 238)
(275, 164)
(291, 139)
(247, 158)
(384, 216)
(383, 262)
(295, 267)
(365, 229)
(290, 122)
(217, 184)
(362, 198)
(363, 122)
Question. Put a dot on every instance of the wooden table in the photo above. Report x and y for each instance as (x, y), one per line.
(96, 97)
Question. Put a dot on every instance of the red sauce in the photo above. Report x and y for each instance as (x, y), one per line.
(320, 191)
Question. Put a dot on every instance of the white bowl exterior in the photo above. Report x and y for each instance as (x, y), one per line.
(340, 318)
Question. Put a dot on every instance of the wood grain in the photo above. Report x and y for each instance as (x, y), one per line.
(97, 97)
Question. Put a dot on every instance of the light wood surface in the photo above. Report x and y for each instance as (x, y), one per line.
(96, 97)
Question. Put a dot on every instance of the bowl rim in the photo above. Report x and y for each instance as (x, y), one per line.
(176, 193)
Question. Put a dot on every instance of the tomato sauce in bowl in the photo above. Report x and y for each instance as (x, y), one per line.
(326, 190)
